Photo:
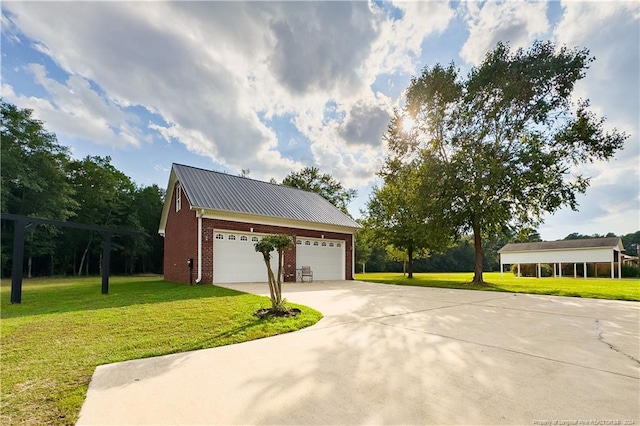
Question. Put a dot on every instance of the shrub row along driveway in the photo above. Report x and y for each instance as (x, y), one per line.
(396, 355)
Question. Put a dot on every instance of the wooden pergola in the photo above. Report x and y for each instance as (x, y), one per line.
(26, 223)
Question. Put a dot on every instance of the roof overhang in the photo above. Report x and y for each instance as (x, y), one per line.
(276, 221)
(246, 217)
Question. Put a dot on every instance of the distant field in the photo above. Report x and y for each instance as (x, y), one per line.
(597, 288)
(64, 328)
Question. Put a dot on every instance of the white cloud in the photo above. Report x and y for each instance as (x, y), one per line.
(611, 32)
(518, 23)
(76, 111)
(213, 73)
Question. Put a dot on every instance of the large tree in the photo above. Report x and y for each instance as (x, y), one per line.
(505, 139)
(33, 180)
(310, 179)
(401, 211)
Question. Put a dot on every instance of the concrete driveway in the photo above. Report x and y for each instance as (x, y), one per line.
(397, 355)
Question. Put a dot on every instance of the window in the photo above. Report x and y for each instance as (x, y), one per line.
(339, 245)
(298, 242)
(231, 237)
(315, 243)
(307, 243)
(219, 237)
(255, 239)
(178, 197)
(243, 238)
(330, 244)
(324, 244)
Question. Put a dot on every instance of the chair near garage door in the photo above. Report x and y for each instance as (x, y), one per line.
(307, 272)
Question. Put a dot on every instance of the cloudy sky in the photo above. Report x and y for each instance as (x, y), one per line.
(276, 86)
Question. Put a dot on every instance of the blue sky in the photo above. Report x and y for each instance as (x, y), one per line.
(276, 86)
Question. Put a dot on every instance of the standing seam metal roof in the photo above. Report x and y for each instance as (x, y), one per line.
(219, 191)
(563, 244)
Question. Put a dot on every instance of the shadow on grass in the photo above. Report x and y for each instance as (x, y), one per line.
(456, 284)
(41, 297)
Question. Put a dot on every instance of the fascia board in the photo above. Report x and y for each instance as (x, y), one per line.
(276, 221)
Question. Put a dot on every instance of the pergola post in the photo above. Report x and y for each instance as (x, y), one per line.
(106, 261)
(18, 260)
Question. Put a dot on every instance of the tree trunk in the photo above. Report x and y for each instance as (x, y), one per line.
(410, 256)
(84, 258)
(267, 261)
(479, 264)
(29, 263)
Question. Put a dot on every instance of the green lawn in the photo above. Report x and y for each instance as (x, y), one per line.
(598, 288)
(64, 328)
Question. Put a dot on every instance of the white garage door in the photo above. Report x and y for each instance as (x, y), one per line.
(235, 259)
(326, 257)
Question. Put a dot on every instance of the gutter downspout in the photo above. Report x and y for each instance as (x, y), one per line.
(199, 215)
(353, 256)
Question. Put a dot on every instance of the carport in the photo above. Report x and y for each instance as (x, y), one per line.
(559, 253)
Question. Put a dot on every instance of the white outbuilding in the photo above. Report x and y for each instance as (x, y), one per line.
(561, 254)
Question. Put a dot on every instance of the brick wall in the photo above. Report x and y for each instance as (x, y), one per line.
(180, 242)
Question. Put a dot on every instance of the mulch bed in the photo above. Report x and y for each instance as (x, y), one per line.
(281, 313)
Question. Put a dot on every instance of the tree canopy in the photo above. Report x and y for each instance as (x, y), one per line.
(400, 211)
(310, 179)
(499, 146)
(41, 179)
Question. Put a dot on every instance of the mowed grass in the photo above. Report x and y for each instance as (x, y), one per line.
(597, 288)
(64, 328)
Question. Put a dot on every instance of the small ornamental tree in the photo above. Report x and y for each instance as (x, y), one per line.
(280, 243)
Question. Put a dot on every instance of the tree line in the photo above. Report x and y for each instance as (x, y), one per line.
(39, 178)
(372, 255)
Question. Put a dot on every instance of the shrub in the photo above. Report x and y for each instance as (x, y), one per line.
(630, 271)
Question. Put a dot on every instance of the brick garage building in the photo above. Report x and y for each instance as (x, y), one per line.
(215, 219)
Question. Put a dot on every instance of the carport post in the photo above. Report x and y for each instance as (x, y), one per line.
(612, 270)
(539, 271)
(619, 266)
(519, 270)
(575, 270)
(585, 269)
(560, 269)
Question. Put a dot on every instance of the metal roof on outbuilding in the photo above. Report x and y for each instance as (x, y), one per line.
(212, 190)
(585, 243)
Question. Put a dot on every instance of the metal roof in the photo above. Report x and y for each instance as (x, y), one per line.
(563, 244)
(220, 191)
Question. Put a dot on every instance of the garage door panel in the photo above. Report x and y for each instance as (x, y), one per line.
(325, 257)
(235, 259)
